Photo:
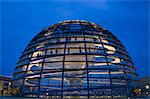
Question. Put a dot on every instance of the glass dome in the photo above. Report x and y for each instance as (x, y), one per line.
(75, 58)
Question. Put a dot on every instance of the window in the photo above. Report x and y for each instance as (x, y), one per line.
(56, 58)
(53, 65)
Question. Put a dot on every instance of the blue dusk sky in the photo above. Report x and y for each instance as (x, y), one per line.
(21, 20)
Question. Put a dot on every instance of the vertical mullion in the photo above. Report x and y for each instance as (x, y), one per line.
(87, 66)
(63, 69)
(86, 60)
(41, 73)
(62, 87)
(126, 78)
(42, 70)
(108, 67)
(22, 87)
(43, 65)
(124, 73)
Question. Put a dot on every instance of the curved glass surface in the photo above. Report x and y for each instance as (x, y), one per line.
(75, 59)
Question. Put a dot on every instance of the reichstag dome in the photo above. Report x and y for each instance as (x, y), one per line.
(75, 59)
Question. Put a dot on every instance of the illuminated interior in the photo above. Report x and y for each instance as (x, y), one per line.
(75, 58)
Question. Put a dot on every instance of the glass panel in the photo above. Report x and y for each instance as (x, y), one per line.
(75, 58)
(34, 68)
(75, 65)
(38, 53)
(75, 45)
(54, 59)
(74, 82)
(20, 69)
(54, 65)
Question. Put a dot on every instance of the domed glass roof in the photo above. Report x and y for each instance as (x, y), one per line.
(75, 58)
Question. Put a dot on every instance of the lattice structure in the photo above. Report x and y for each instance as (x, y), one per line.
(75, 58)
